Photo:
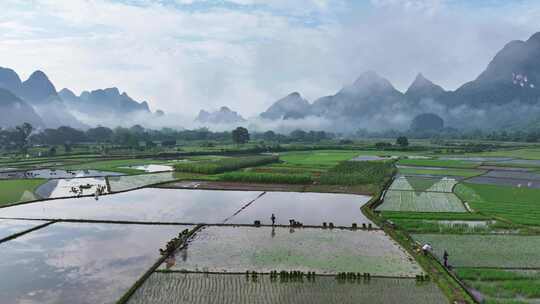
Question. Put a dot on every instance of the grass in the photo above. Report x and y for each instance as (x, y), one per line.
(272, 178)
(224, 164)
(356, 172)
(438, 163)
(445, 172)
(18, 190)
(518, 205)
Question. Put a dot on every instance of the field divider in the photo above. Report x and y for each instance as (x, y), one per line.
(125, 298)
(244, 207)
(18, 234)
(268, 273)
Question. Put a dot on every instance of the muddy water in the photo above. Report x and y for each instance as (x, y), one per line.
(149, 205)
(308, 208)
(78, 263)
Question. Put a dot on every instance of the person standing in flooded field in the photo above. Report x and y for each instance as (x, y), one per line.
(445, 258)
(273, 219)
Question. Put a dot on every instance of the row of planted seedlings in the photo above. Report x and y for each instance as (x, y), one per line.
(283, 276)
(330, 225)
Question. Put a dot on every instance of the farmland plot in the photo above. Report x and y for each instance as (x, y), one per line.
(504, 251)
(11, 227)
(238, 249)
(63, 187)
(78, 263)
(501, 181)
(421, 202)
(144, 205)
(308, 208)
(423, 184)
(172, 288)
(128, 182)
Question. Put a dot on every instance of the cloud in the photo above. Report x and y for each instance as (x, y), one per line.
(185, 55)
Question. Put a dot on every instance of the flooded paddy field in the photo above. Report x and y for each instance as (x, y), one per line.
(395, 200)
(56, 173)
(144, 205)
(78, 262)
(308, 208)
(264, 249)
(502, 181)
(441, 184)
(150, 168)
(128, 182)
(11, 227)
(500, 251)
(71, 187)
(169, 288)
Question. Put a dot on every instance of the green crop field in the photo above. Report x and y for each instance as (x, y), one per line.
(503, 286)
(18, 190)
(421, 202)
(171, 288)
(437, 163)
(317, 159)
(275, 178)
(503, 251)
(423, 184)
(358, 172)
(519, 205)
(442, 171)
(224, 164)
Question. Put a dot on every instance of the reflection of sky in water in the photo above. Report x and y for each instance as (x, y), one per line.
(48, 173)
(78, 263)
(151, 168)
(62, 187)
(153, 205)
(308, 208)
(10, 227)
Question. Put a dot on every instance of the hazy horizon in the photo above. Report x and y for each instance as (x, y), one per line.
(246, 54)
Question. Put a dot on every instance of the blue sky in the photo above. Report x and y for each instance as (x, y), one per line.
(185, 55)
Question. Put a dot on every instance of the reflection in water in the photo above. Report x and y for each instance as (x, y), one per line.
(151, 205)
(307, 208)
(78, 263)
(11, 227)
(273, 234)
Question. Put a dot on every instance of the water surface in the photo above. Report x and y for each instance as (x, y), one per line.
(11, 227)
(78, 262)
(144, 205)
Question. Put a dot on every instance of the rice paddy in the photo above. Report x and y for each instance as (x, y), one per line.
(78, 263)
(12, 227)
(169, 288)
(128, 182)
(500, 251)
(421, 202)
(71, 187)
(265, 249)
(423, 184)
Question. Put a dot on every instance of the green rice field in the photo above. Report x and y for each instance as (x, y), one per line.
(316, 159)
(442, 171)
(501, 251)
(421, 202)
(19, 190)
(174, 287)
(438, 163)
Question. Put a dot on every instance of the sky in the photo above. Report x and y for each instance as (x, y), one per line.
(186, 55)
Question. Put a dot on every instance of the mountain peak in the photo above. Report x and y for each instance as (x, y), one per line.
(422, 88)
(223, 116)
(534, 38)
(10, 80)
(38, 88)
(292, 105)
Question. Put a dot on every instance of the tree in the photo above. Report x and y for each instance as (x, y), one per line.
(240, 135)
(23, 133)
(99, 134)
(402, 141)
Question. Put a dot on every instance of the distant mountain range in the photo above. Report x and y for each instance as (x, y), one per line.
(505, 93)
(36, 101)
(223, 116)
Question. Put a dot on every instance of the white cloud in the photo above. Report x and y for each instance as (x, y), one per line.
(182, 60)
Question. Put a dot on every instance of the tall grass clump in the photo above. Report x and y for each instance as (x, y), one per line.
(358, 172)
(225, 164)
(272, 178)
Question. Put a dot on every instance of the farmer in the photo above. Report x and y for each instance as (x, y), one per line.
(445, 258)
(273, 218)
(426, 248)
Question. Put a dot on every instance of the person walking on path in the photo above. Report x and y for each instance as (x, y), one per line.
(273, 218)
(445, 258)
